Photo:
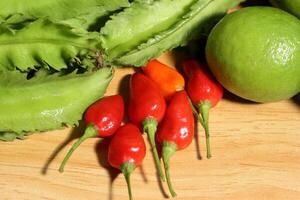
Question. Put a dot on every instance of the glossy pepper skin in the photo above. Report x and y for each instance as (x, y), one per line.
(176, 131)
(126, 151)
(167, 78)
(102, 118)
(146, 100)
(106, 115)
(204, 91)
(146, 108)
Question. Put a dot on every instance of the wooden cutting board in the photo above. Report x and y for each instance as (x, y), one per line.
(255, 147)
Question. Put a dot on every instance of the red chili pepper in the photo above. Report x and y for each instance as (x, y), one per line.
(168, 79)
(204, 91)
(176, 131)
(126, 151)
(103, 118)
(146, 108)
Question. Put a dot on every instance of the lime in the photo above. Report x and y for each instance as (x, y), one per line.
(291, 6)
(255, 53)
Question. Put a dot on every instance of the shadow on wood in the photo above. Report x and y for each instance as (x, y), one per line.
(234, 98)
(296, 99)
(123, 90)
(101, 150)
(197, 128)
(75, 133)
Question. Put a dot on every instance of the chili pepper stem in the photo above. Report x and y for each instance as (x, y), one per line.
(204, 108)
(195, 113)
(150, 127)
(127, 168)
(168, 150)
(89, 132)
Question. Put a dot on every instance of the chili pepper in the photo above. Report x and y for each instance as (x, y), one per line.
(168, 79)
(103, 118)
(126, 151)
(146, 108)
(204, 91)
(176, 131)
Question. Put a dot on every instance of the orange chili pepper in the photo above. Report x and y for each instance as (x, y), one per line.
(168, 79)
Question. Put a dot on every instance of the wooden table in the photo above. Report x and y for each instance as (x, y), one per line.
(256, 155)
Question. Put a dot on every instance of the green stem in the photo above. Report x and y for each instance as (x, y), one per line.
(89, 132)
(168, 150)
(195, 113)
(150, 127)
(204, 108)
(127, 168)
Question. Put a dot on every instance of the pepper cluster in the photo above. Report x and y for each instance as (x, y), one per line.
(160, 105)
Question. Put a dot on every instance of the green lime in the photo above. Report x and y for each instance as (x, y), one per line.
(255, 53)
(291, 6)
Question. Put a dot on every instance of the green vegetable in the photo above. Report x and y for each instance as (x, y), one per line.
(137, 23)
(252, 57)
(46, 102)
(131, 37)
(291, 6)
(78, 13)
(148, 28)
(43, 43)
(55, 34)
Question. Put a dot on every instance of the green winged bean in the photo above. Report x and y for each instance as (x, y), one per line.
(47, 102)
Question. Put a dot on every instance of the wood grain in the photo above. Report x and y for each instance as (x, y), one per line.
(256, 155)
